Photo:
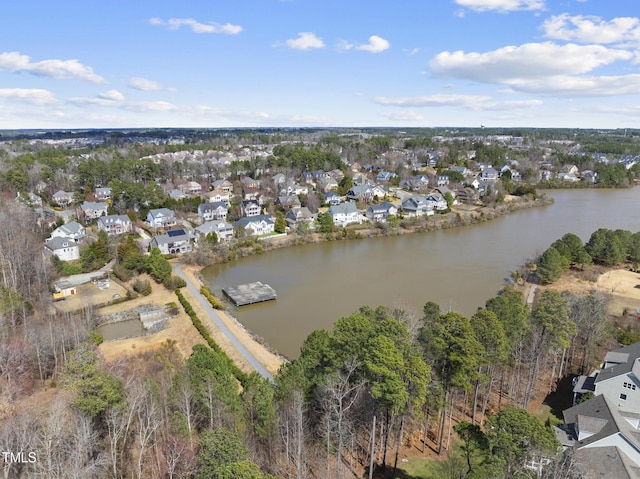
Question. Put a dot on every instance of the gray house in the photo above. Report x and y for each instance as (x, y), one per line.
(172, 242)
(213, 211)
(380, 212)
(161, 218)
(115, 224)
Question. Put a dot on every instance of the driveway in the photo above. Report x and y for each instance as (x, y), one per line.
(237, 344)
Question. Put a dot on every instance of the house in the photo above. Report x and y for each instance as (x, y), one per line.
(467, 195)
(307, 177)
(213, 211)
(177, 195)
(569, 177)
(224, 185)
(360, 193)
(332, 198)
(293, 188)
(298, 215)
(385, 176)
(460, 169)
(62, 198)
(217, 195)
(92, 210)
(250, 208)
(66, 249)
(256, 225)
(287, 202)
(618, 379)
(30, 199)
(63, 288)
(247, 181)
(172, 242)
(115, 225)
(161, 218)
(380, 212)
(45, 218)
(572, 169)
(73, 230)
(337, 175)
(250, 192)
(415, 183)
(191, 187)
(103, 194)
(278, 179)
(441, 180)
(488, 174)
(603, 441)
(546, 175)
(326, 183)
(221, 228)
(417, 206)
(345, 214)
(379, 191)
(437, 201)
(589, 176)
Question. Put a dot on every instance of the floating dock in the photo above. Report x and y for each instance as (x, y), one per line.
(250, 293)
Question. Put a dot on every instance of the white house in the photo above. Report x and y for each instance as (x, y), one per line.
(161, 218)
(73, 230)
(93, 210)
(250, 208)
(213, 211)
(115, 224)
(256, 225)
(417, 206)
(345, 214)
(66, 249)
(221, 228)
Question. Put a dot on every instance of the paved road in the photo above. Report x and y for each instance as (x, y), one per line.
(244, 352)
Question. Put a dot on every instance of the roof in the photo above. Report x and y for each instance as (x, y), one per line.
(216, 225)
(244, 222)
(162, 212)
(624, 357)
(72, 228)
(344, 209)
(60, 242)
(113, 219)
(93, 205)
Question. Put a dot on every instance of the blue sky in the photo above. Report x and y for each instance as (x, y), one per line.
(254, 63)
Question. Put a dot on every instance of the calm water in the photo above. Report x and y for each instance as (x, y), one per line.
(129, 328)
(459, 268)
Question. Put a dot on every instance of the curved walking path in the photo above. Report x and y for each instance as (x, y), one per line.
(233, 339)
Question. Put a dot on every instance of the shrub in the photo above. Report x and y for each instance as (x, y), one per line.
(142, 286)
(174, 282)
(213, 301)
(122, 273)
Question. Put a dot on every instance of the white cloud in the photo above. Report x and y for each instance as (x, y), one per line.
(111, 95)
(34, 96)
(581, 86)
(196, 26)
(432, 100)
(590, 29)
(152, 106)
(144, 85)
(525, 62)
(405, 115)
(376, 45)
(58, 69)
(502, 6)
(305, 41)
(469, 102)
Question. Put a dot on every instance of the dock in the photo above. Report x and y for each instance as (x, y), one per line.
(250, 293)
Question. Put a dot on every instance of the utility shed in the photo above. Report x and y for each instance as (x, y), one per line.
(250, 293)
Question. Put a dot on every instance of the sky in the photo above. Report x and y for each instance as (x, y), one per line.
(311, 63)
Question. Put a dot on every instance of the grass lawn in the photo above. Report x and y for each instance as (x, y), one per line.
(418, 468)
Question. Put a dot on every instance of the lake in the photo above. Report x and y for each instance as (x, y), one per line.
(458, 268)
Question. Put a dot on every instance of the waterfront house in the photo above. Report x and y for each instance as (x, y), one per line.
(345, 214)
(222, 229)
(73, 230)
(66, 249)
(213, 211)
(437, 201)
(380, 212)
(255, 225)
(172, 242)
(298, 215)
(115, 225)
(161, 218)
(250, 208)
(417, 206)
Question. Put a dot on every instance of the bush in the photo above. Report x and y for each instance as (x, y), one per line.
(142, 286)
(122, 273)
(174, 282)
(213, 301)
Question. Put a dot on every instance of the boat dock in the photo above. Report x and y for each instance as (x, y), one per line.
(250, 293)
